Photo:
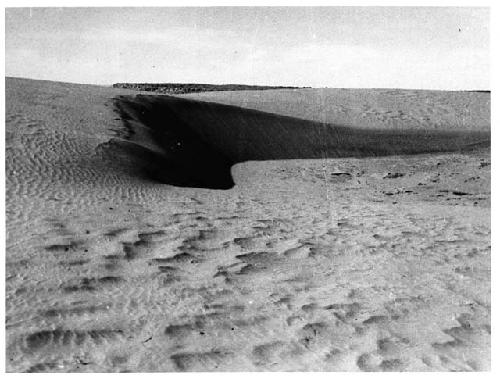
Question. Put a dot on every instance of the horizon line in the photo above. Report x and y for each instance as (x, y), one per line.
(290, 87)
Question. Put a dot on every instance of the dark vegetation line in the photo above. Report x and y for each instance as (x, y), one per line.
(186, 88)
(191, 143)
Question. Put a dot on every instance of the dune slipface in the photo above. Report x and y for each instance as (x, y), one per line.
(149, 233)
(197, 142)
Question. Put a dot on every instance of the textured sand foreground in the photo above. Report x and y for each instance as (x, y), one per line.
(373, 263)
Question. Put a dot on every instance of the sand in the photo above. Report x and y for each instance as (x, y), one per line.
(365, 263)
(369, 108)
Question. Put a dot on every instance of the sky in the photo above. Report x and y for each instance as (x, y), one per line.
(444, 48)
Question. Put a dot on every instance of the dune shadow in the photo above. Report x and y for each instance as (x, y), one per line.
(190, 143)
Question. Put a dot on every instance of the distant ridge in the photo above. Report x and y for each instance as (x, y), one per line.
(186, 88)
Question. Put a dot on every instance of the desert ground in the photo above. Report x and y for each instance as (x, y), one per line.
(276, 230)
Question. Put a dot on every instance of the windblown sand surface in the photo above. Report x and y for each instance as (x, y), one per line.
(369, 108)
(331, 262)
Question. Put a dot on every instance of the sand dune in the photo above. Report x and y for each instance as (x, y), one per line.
(196, 143)
(362, 263)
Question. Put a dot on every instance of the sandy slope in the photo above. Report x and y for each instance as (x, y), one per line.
(379, 263)
(369, 108)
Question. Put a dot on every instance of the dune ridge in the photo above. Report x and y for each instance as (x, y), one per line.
(195, 143)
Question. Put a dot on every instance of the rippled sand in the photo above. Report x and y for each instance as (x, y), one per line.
(376, 263)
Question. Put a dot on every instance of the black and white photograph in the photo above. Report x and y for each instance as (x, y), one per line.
(247, 188)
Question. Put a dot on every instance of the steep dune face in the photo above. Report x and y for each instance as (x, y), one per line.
(197, 142)
(379, 263)
(178, 155)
